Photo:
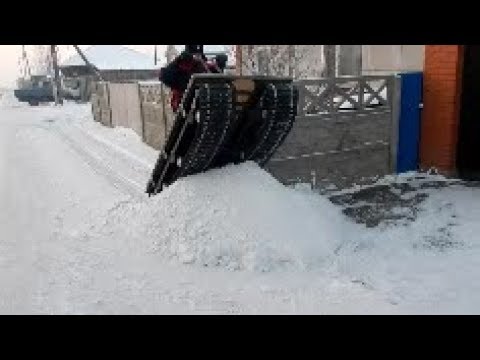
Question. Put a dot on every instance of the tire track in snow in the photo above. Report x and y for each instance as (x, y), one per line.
(105, 143)
(101, 164)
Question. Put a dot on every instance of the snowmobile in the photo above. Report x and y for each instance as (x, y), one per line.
(225, 119)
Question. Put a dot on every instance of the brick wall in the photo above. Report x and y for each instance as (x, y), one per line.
(441, 99)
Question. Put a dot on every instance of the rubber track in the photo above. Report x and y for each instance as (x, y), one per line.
(280, 110)
(213, 104)
(213, 110)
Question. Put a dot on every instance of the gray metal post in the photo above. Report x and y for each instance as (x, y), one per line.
(330, 60)
(396, 89)
(58, 85)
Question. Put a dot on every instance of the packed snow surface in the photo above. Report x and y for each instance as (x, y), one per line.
(78, 234)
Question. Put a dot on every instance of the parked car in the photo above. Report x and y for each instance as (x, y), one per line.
(35, 90)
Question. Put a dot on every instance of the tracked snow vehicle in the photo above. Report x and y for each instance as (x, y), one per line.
(225, 119)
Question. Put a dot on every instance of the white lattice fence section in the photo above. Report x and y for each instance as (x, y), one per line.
(360, 94)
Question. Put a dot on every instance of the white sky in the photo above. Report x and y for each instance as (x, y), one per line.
(9, 55)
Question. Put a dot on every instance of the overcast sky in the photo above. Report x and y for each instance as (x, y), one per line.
(9, 55)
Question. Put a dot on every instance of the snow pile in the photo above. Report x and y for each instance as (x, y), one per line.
(238, 217)
(8, 100)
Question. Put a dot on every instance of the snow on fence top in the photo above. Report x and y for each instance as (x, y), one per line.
(113, 57)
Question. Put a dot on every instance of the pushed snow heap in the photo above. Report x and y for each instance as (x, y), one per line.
(238, 217)
(8, 99)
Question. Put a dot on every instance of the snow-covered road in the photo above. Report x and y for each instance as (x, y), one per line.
(79, 236)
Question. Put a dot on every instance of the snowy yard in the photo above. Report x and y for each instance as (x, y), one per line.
(79, 236)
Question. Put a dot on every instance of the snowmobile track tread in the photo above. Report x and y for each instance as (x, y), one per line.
(279, 103)
(209, 121)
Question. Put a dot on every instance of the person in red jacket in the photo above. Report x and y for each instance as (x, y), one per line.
(192, 60)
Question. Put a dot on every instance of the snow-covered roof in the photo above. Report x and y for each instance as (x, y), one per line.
(212, 49)
(206, 48)
(113, 57)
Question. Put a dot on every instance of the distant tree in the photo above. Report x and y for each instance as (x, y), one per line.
(298, 61)
(171, 53)
(24, 64)
(42, 60)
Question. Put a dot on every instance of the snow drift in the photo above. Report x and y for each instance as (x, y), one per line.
(238, 217)
(8, 100)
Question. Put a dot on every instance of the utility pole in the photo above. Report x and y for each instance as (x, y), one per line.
(58, 85)
(238, 59)
(330, 60)
(155, 55)
(292, 64)
(25, 70)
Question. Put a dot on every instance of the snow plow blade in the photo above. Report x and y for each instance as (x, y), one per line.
(222, 120)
